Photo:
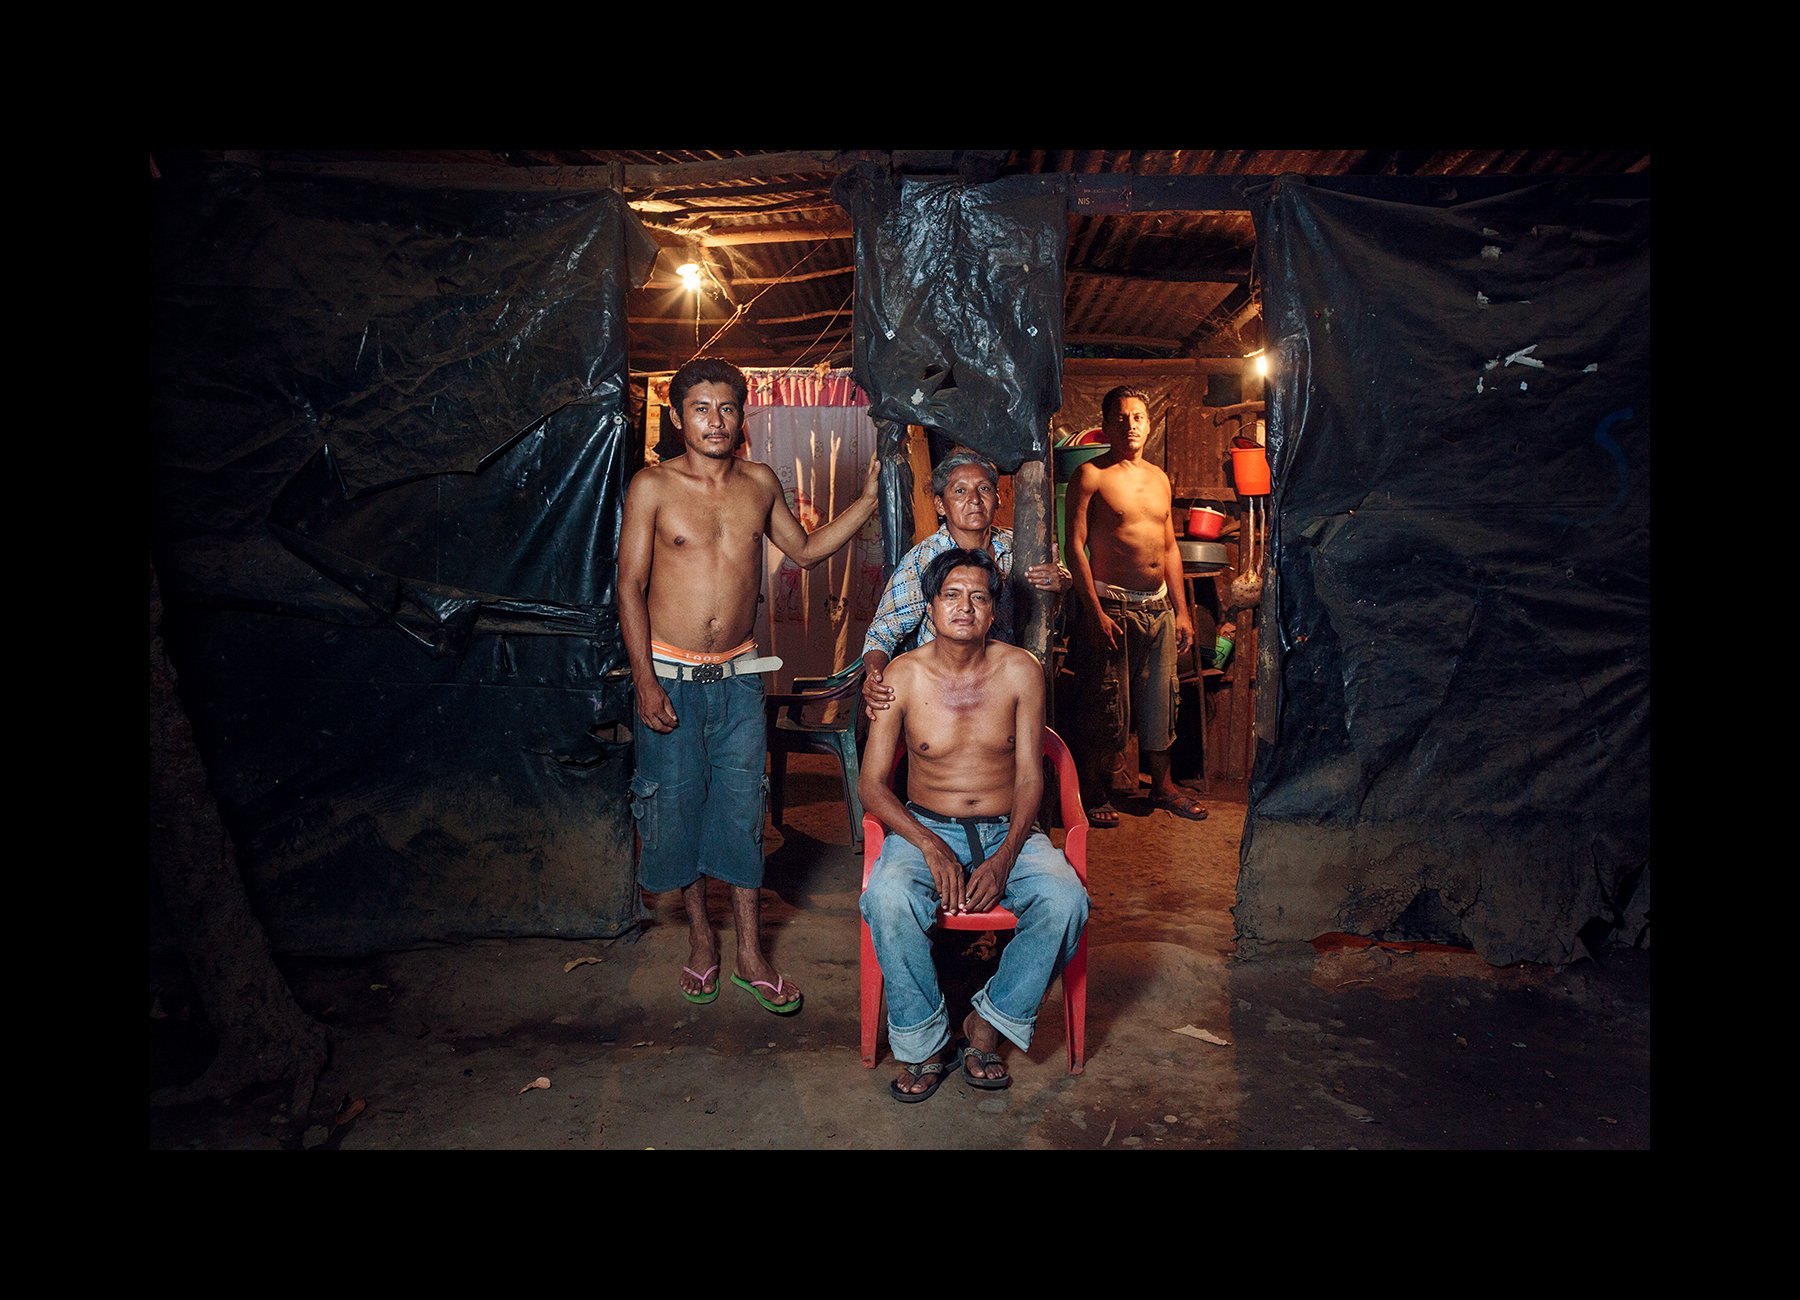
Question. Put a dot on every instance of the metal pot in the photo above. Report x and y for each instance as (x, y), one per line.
(1204, 557)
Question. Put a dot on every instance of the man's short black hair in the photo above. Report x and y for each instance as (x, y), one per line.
(1114, 401)
(955, 558)
(708, 370)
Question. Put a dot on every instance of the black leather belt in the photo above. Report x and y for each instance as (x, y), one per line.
(921, 810)
(968, 825)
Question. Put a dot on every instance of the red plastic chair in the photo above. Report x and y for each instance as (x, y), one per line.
(1074, 975)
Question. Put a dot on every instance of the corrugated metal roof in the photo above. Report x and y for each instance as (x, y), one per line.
(779, 250)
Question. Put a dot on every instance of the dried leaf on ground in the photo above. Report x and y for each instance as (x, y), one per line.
(539, 1082)
(579, 961)
(349, 1109)
(1204, 1035)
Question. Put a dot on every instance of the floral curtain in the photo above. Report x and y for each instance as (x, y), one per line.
(814, 431)
(804, 388)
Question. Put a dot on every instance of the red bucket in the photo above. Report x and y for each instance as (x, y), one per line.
(1204, 521)
(1250, 470)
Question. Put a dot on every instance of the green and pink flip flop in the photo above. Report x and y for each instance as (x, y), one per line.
(779, 1008)
(702, 996)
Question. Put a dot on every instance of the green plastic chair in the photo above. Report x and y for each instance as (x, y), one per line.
(790, 731)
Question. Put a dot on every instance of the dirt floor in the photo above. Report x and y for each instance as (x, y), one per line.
(1191, 1046)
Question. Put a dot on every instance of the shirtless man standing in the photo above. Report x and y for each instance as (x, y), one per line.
(1132, 616)
(690, 573)
(970, 712)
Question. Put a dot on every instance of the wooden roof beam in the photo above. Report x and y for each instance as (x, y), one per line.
(1146, 267)
(1127, 340)
(795, 277)
(776, 235)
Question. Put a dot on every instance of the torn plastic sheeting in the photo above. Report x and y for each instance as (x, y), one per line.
(415, 332)
(380, 797)
(959, 305)
(1371, 392)
(1462, 577)
(431, 383)
(896, 495)
(447, 556)
(412, 325)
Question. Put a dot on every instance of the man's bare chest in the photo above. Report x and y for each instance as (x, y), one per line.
(969, 720)
(1136, 500)
(720, 529)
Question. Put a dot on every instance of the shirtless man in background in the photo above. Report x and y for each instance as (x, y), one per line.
(690, 574)
(1132, 618)
(970, 712)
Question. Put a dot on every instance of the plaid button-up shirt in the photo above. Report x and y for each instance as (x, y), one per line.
(903, 605)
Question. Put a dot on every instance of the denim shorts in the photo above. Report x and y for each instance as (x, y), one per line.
(699, 795)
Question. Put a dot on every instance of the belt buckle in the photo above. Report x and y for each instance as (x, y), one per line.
(709, 672)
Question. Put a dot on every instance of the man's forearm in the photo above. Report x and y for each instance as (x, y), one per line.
(634, 628)
(890, 810)
(1176, 578)
(1083, 587)
(829, 538)
(1028, 794)
(1017, 832)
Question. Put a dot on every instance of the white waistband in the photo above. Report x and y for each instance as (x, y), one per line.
(680, 672)
(1107, 591)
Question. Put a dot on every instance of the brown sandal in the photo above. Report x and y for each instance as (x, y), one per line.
(1181, 806)
(933, 1069)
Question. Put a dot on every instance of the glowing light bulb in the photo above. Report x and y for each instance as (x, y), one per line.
(690, 275)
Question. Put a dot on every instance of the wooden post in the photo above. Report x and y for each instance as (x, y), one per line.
(1033, 528)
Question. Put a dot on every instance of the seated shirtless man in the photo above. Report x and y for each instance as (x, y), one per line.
(971, 714)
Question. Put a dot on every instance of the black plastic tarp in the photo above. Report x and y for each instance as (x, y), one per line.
(959, 305)
(389, 446)
(1457, 743)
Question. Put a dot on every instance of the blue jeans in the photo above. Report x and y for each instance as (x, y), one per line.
(900, 906)
(699, 796)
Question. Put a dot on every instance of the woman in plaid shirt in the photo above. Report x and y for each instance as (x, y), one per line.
(966, 490)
